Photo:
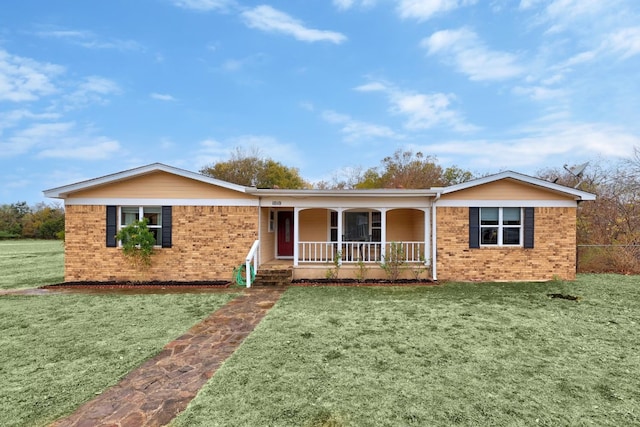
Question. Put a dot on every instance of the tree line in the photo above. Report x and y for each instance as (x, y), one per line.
(42, 221)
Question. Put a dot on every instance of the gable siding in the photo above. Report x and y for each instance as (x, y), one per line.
(505, 189)
(160, 185)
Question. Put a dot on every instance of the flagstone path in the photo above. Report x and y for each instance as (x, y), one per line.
(161, 388)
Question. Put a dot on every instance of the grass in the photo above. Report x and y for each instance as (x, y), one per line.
(456, 354)
(61, 350)
(30, 263)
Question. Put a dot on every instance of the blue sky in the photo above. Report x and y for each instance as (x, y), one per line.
(89, 88)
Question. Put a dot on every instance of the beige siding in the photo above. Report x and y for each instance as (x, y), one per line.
(208, 242)
(505, 189)
(161, 185)
(314, 225)
(405, 225)
(553, 255)
(267, 238)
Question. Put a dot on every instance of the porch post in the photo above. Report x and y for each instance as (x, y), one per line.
(383, 232)
(296, 235)
(340, 232)
(427, 235)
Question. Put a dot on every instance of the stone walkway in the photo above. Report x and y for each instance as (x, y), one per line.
(154, 393)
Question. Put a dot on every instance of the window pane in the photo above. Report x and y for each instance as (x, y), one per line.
(489, 236)
(489, 216)
(334, 219)
(376, 219)
(157, 233)
(511, 216)
(334, 234)
(376, 235)
(153, 216)
(357, 226)
(129, 215)
(511, 236)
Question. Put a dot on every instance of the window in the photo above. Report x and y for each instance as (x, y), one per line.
(501, 226)
(159, 222)
(333, 226)
(272, 221)
(357, 226)
(153, 214)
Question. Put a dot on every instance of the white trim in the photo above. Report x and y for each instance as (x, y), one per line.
(346, 203)
(161, 202)
(577, 194)
(508, 203)
(64, 191)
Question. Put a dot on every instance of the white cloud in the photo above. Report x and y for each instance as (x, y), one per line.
(162, 96)
(539, 93)
(91, 90)
(422, 111)
(469, 55)
(356, 131)
(98, 148)
(204, 5)
(213, 151)
(23, 79)
(59, 140)
(348, 4)
(548, 144)
(625, 41)
(9, 119)
(268, 19)
(425, 9)
(89, 40)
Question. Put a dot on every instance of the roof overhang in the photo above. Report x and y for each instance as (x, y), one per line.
(64, 191)
(576, 194)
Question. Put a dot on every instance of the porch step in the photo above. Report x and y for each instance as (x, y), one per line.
(273, 277)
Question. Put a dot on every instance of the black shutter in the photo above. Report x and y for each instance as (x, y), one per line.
(112, 226)
(166, 226)
(474, 227)
(529, 225)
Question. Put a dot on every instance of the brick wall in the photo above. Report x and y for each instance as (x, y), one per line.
(208, 242)
(553, 255)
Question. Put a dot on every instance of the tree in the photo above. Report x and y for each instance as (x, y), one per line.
(608, 229)
(11, 218)
(406, 169)
(137, 244)
(251, 170)
(43, 222)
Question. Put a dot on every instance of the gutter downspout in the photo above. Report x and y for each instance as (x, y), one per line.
(434, 234)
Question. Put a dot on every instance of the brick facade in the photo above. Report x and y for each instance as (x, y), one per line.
(208, 242)
(553, 255)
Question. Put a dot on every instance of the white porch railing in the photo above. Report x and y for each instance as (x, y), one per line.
(252, 256)
(369, 252)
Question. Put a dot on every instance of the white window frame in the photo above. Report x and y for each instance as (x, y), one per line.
(140, 216)
(501, 226)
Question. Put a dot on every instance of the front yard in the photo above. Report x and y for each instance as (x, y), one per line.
(456, 354)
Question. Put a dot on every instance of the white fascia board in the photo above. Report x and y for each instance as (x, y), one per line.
(346, 202)
(507, 203)
(577, 194)
(160, 202)
(63, 191)
(342, 193)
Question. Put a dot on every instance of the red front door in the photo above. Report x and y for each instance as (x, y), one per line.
(285, 234)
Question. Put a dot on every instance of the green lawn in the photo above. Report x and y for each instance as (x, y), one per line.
(58, 351)
(30, 263)
(456, 354)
